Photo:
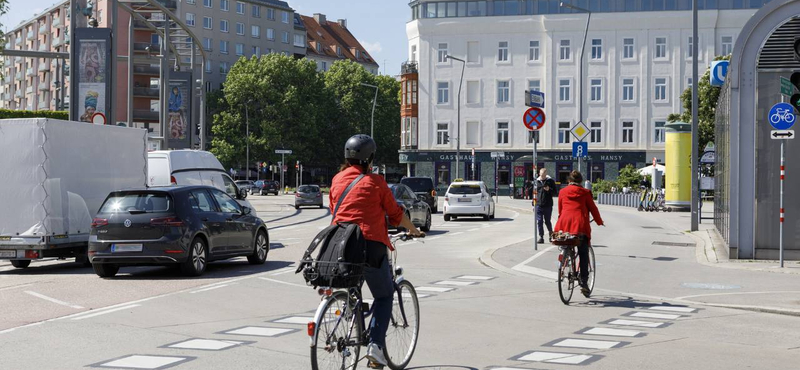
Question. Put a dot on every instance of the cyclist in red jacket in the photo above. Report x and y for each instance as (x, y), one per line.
(574, 205)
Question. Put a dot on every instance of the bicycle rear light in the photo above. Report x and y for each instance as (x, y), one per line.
(311, 327)
(560, 258)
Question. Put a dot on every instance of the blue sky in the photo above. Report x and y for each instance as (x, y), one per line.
(378, 24)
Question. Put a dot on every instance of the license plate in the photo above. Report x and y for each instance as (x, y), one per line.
(120, 248)
(465, 200)
(8, 254)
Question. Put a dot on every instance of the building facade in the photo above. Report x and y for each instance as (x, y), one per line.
(637, 63)
(329, 42)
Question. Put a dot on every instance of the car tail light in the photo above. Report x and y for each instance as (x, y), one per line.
(99, 222)
(173, 181)
(433, 193)
(297, 195)
(446, 199)
(311, 327)
(31, 254)
(166, 221)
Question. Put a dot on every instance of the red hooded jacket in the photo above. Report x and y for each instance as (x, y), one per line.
(574, 205)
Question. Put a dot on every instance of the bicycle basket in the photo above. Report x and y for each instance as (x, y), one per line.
(565, 240)
(339, 275)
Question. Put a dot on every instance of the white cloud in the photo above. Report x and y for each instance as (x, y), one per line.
(372, 47)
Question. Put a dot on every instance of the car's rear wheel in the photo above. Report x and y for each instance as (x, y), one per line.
(195, 264)
(20, 264)
(260, 250)
(427, 226)
(105, 270)
(486, 217)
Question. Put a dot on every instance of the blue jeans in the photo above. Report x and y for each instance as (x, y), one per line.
(379, 280)
(543, 215)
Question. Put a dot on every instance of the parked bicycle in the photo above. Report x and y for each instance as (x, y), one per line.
(338, 330)
(569, 266)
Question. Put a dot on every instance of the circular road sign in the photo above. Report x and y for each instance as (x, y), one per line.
(781, 116)
(99, 118)
(533, 119)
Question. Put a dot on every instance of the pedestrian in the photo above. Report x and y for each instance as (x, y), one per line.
(545, 191)
(588, 185)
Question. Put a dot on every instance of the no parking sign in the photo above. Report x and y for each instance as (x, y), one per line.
(533, 119)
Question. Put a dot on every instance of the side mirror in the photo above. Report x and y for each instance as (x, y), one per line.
(247, 211)
(494, 194)
(242, 194)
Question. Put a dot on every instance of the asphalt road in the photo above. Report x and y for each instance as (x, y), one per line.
(56, 315)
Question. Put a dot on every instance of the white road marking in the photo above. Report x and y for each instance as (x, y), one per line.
(210, 288)
(650, 315)
(95, 314)
(259, 331)
(473, 230)
(23, 326)
(643, 324)
(53, 300)
(612, 332)
(474, 277)
(15, 287)
(300, 320)
(282, 271)
(205, 344)
(547, 274)
(284, 282)
(454, 234)
(586, 343)
(673, 309)
(572, 360)
(555, 357)
(532, 258)
(456, 283)
(433, 289)
(143, 362)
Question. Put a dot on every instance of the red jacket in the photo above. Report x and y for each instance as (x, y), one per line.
(367, 204)
(574, 205)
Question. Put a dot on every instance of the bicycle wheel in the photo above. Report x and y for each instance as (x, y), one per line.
(401, 338)
(565, 282)
(592, 271)
(337, 334)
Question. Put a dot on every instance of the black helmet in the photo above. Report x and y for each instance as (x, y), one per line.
(360, 147)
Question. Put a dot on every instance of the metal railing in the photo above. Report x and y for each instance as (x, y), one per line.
(619, 199)
(409, 67)
(44, 29)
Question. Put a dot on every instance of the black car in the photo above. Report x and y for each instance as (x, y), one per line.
(271, 187)
(417, 210)
(187, 226)
(423, 187)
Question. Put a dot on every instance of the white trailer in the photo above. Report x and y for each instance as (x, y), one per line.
(55, 176)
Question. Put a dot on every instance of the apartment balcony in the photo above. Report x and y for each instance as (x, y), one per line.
(43, 29)
(409, 67)
(18, 59)
(28, 90)
(145, 92)
(8, 45)
(19, 76)
(56, 42)
(31, 36)
(18, 94)
(145, 115)
(43, 46)
(53, 63)
(30, 72)
(56, 22)
(44, 67)
(18, 41)
(44, 86)
(43, 105)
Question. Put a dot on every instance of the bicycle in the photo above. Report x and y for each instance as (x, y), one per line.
(338, 330)
(569, 266)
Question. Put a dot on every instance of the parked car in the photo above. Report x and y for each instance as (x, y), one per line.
(468, 198)
(423, 186)
(245, 185)
(187, 226)
(416, 209)
(308, 195)
(271, 187)
(257, 186)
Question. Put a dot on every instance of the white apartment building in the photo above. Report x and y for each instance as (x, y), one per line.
(637, 63)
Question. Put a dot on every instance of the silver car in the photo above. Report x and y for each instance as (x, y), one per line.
(308, 195)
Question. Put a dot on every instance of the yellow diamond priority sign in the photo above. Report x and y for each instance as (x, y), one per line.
(580, 131)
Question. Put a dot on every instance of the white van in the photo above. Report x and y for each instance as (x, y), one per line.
(191, 167)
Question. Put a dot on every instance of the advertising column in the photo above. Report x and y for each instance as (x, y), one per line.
(93, 87)
(179, 127)
(678, 166)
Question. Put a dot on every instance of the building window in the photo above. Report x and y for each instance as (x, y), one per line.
(285, 37)
(190, 19)
(207, 3)
(442, 53)
(661, 89)
(727, 45)
(659, 133)
(284, 17)
(503, 92)
(257, 51)
(255, 31)
(596, 89)
(628, 48)
(688, 82)
(324, 66)
(563, 132)
(473, 52)
(208, 23)
(223, 4)
(413, 53)
(502, 51)
(240, 28)
(319, 47)
(661, 48)
(208, 66)
(270, 34)
(223, 67)
(300, 41)
(223, 25)
(414, 131)
(207, 43)
(597, 49)
(256, 12)
(442, 133)
(502, 133)
(239, 49)
(442, 92)
(271, 14)
(473, 133)
(532, 135)
(690, 47)
(564, 87)
(414, 92)
(339, 51)
(533, 51)
(564, 50)
(596, 132)
(223, 47)
(473, 92)
(627, 89)
(534, 85)
(190, 2)
(627, 132)
(239, 7)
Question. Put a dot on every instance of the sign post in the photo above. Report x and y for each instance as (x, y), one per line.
(534, 119)
(496, 156)
(782, 118)
(580, 131)
(473, 164)
(283, 153)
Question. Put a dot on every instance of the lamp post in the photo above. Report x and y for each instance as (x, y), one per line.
(695, 123)
(458, 115)
(247, 141)
(583, 54)
(374, 100)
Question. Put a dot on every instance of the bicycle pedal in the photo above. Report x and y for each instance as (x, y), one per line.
(374, 365)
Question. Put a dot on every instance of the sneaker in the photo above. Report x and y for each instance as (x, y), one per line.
(375, 354)
(585, 289)
(541, 240)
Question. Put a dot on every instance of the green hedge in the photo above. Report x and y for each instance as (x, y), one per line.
(8, 113)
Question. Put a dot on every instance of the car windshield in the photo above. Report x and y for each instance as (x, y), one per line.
(418, 184)
(308, 189)
(146, 202)
(465, 189)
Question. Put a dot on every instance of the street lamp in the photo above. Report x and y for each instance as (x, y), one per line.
(458, 119)
(247, 141)
(583, 53)
(374, 100)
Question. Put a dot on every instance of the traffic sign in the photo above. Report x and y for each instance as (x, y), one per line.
(498, 154)
(781, 116)
(534, 99)
(283, 151)
(782, 134)
(533, 119)
(719, 70)
(580, 149)
(786, 86)
(580, 131)
(708, 158)
(99, 118)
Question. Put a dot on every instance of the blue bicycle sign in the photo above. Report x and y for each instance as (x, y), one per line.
(781, 116)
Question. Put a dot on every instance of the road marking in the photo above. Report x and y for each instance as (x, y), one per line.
(434, 238)
(284, 282)
(300, 320)
(651, 315)
(433, 289)
(210, 288)
(585, 343)
(673, 309)
(557, 358)
(144, 362)
(282, 271)
(611, 332)
(473, 230)
(53, 300)
(475, 277)
(456, 283)
(454, 234)
(259, 331)
(23, 326)
(529, 260)
(637, 323)
(15, 287)
(95, 314)
(205, 344)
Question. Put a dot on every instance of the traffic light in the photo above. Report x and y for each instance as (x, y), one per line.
(795, 99)
(796, 48)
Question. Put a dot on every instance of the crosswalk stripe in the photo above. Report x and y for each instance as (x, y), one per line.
(556, 358)
(636, 323)
(433, 289)
(454, 282)
(474, 277)
(651, 315)
(611, 332)
(673, 309)
(587, 343)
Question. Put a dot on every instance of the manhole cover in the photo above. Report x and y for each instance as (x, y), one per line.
(652, 227)
(672, 244)
(710, 286)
